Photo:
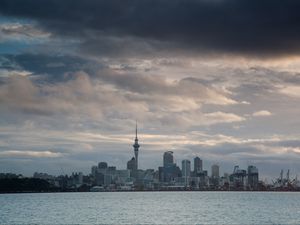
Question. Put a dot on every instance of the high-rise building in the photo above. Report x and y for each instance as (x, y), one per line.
(186, 171)
(186, 168)
(136, 148)
(214, 180)
(215, 171)
(102, 165)
(94, 171)
(131, 164)
(197, 165)
(203, 179)
(252, 177)
(168, 158)
(169, 171)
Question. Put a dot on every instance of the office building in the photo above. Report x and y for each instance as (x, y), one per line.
(214, 180)
(215, 171)
(170, 170)
(168, 158)
(186, 168)
(197, 165)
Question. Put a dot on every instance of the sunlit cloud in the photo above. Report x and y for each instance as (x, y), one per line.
(30, 154)
(291, 90)
(262, 113)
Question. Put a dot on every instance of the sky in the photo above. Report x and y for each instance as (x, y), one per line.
(218, 79)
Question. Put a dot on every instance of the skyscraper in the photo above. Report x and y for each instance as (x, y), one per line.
(215, 171)
(197, 165)
(136, 148)
(186, 168)
(215, 177)
(186, 171)
(168, 158)
(169, 171)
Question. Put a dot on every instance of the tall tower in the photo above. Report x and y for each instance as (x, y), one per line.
(136, 148)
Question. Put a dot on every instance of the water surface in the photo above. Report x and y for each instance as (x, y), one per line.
(151, 208)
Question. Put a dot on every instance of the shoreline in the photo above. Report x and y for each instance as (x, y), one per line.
(115, 191)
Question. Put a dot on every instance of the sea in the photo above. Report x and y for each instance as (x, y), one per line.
(151, 208)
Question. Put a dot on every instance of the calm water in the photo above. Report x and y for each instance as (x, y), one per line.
(151, 208)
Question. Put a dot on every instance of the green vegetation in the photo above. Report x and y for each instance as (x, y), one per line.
(15, 185)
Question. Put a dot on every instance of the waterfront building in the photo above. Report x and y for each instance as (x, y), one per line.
(161, 174)
(169, 173)
(224, 181)
(108, 178)
(98, 172)
(76, 179)
(122, 176)
(203, 179)
(99, 179)
(195, 182)
(252, 177)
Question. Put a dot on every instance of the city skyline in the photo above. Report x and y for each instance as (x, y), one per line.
(169, 176)
(217, 79)
(169, 170)
(206, 164)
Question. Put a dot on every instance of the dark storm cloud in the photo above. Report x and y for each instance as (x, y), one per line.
(255, 27)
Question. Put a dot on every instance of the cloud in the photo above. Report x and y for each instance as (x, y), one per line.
(247, 27)
(47, 66)
(218, 117)
(30, 154)
(10, 73)
(190, 90)
(290, 90)
(149, 98)
(21, 32)
(262, 113)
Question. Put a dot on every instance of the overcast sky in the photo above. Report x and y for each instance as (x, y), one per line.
(218, 79)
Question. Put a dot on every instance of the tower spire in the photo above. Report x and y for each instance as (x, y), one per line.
(136, 147)
(136, 129)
